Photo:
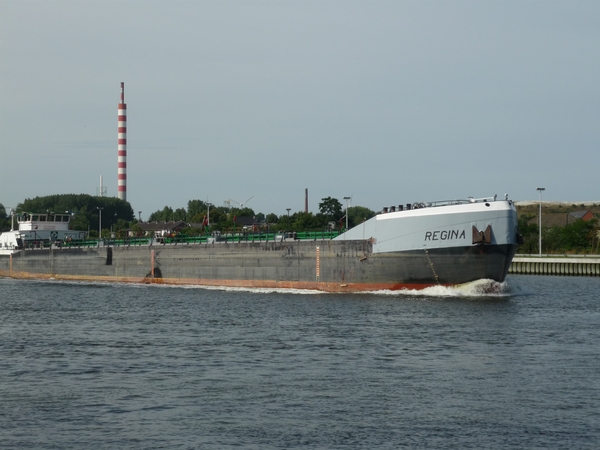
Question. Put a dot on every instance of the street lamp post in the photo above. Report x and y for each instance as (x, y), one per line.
(139, 216)
(99, 222)
(540, 216)
(346, 198)
(208, 205)
(111, 226)
(288, 210)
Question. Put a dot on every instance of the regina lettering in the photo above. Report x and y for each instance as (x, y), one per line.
(444, 235)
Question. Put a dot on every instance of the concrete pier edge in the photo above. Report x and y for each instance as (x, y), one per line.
(576, 265)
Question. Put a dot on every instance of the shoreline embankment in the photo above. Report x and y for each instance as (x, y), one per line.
(568, 265)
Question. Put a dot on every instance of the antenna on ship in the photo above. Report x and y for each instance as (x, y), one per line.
(122, 147)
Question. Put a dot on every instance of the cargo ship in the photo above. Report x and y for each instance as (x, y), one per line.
(411, 246)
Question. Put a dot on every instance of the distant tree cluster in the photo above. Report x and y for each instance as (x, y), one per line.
(117, 214)
(577, 237)
(4, 219)
(224, 218)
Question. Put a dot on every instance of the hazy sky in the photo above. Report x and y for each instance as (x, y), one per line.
(386, 101)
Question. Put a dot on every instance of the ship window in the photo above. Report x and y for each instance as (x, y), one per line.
(65, 218)
(35, 218)
(42, 218)
(50, 218)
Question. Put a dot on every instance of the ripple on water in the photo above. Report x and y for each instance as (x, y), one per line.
(482, 365)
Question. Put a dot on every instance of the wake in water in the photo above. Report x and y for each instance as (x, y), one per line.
(478, 288)
(120, 285)
(250, 290)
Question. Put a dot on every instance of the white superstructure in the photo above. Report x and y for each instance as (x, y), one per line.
(37, 229)
(436, 225)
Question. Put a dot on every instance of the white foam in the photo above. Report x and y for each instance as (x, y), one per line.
(248, 289)
(116, 284)
(478, 288)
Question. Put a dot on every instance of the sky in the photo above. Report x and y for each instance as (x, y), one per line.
(386, 102)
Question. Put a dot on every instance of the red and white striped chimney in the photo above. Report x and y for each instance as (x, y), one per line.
(122, 147)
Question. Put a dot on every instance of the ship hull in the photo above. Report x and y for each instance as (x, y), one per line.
(413, 249)
(331, 266)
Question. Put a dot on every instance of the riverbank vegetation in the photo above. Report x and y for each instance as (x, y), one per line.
(563, 231)
(118, 216)
(199, 216)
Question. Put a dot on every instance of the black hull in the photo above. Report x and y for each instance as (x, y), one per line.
(448, 266)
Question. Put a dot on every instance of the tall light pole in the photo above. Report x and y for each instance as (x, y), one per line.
(288, 210)
(540, 215)
(139, 216)
(208, 205)
(99, 222)
(346, 198)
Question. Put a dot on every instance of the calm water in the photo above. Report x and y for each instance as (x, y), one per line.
(110, 366)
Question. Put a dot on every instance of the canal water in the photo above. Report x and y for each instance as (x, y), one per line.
(104, 366)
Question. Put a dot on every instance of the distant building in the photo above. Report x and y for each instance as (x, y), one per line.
(162, 228)
(550, 220)
(583, 215)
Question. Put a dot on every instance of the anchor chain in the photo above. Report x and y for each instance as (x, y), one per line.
(432, 268)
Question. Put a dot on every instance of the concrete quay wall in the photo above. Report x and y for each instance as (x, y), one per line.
(560, 265)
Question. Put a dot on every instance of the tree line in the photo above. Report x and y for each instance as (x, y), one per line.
(118, 215)
(224, 218)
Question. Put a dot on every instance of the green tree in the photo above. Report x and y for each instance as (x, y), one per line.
(331, 207)
(4, 219)
(218, 218)
(243, 212)
(137, 230)
(358, 214)
(83, 207)
(196, 207)
(180, 214)
(577, 237)
(198, 217)
(80, 220)
(530, 234)
(164, 215)
(121, 228)
(304, 221)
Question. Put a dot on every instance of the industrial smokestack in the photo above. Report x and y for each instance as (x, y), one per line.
(306, 200)
(122, 147)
